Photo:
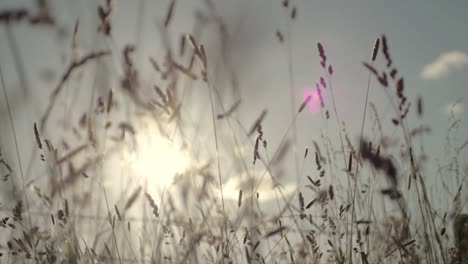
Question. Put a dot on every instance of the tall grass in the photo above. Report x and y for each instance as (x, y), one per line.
(361, 202)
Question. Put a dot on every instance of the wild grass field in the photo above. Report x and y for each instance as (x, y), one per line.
(126, 153)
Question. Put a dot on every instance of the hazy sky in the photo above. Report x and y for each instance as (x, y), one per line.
(428, 42)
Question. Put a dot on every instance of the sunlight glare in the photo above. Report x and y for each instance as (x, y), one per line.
(156, 159)
(314, 103)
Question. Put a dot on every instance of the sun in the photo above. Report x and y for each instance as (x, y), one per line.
(155, 159)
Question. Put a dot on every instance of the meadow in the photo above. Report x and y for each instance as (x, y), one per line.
(146, 158)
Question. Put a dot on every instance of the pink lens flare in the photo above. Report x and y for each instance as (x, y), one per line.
(314, 102)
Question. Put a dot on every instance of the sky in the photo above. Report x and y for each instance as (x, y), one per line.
(428, 42)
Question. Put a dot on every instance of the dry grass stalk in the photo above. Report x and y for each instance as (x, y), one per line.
(109, 100)
(117, 212)
(131, 200)
(71, 68)
(385, 51)
(185, 71)
(257, 144)
(38, 138)
(104, 15)
(322, 56)
(275, 232)
(375, 51)
(257, 122)
(203, 57)
(126, 127)
(155, 64)
(193, 43)
(382, 78)
(420, 106)
(323, 83)
(301, 201)
(41, 17)
(72, 154)
(280, 36)
(306, 101)
(72, 177)
(152, 204)
(91, 136)
(310, 203)
(460, 227)
(169, 13)
(293, 13)
(281, 152)
(74, 45)
(182, 45)
(380, 163)
(229, 111)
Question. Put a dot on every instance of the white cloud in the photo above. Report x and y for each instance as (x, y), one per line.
(266, 189)
(454, 109)
(441, 66)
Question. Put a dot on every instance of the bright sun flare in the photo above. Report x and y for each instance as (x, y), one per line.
(156, 159)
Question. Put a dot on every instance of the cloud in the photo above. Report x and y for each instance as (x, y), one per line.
(454, 109)
(265, 189)
(441, 66)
